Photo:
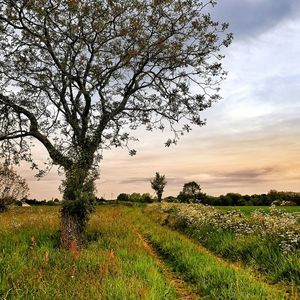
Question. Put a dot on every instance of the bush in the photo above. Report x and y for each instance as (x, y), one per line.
(184, 198)
(135, 197)
(147, 198)
(170, 199)
(123, 197)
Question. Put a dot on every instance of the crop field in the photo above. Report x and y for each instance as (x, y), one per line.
(151, 252)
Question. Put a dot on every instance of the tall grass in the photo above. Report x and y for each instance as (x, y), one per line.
(113, 264)
(260, 252)
(212, 278)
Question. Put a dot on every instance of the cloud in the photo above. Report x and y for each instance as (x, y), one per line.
(134, 180)
(249, 18)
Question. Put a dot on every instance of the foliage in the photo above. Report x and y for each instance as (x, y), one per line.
(170, 199)
(272, 198)
(35, 202)
(123, 197)
(12, 187)
(191, 188)
(147, 198)
(158, 184)
(191, 192)
(136, 197)
(89, 71)
(184, 198)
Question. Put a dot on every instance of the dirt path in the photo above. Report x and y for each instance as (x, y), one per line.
(183, 290)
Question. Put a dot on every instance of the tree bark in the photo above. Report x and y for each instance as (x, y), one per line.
(71, 231)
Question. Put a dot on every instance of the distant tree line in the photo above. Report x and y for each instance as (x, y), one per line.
(235, 199)
(191, 193)
(13, 187)
(36, 202)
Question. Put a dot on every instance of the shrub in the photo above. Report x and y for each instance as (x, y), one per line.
(123, 197)
(147, 198)
(135, 197)
(170, 199)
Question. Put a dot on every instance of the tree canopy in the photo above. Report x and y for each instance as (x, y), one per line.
(76, 75)
(191, 188)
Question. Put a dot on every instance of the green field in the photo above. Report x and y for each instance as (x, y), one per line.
(247, 210)
(128, 254)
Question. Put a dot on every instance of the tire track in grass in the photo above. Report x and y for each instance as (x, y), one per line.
(215, 279)
(240, 267)
(183, 290)
(289, 292)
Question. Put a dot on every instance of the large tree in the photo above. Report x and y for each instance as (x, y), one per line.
(78, 75)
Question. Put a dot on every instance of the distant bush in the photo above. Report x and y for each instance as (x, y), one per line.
(35, 202)
(147, 198)
(273, 198)
(123, 197)
(100, 200)
(135, 197)
(170, 199)
(184, 198)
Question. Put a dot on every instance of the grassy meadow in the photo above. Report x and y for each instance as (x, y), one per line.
(130, 253)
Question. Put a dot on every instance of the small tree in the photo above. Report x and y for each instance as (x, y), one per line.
(12, 187)
(191, 190)
(158, 183)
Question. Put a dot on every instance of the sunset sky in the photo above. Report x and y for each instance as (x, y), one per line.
(251, 141)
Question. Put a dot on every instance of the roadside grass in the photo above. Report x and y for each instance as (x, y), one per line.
(212, 278)
(113, 265)
(263, 255)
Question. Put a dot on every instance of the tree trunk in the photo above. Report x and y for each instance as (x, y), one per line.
(71, 231)
(77, 206)
(159, 195)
